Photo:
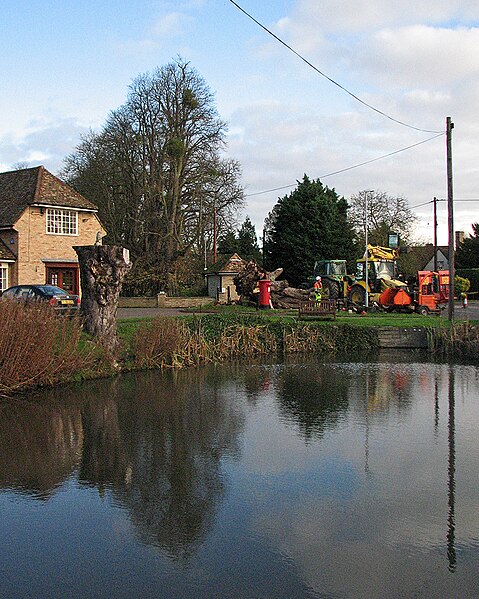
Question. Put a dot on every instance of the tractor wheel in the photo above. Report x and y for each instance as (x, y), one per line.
(357, 295)
(423, 310)
(330, 290)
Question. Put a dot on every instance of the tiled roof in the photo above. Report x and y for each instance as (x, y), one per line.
(227, 264)
(5, 253)
(19, 189)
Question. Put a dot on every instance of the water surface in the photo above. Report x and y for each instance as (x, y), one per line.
(296, 479)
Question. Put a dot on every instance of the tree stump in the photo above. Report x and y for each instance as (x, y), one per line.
(102, 270)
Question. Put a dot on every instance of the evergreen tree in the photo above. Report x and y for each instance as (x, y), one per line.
(227, 243)
(309, 224)
(244, 242)
(248, 242)
(467, 255)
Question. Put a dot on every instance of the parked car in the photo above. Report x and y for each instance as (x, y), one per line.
(58, 298)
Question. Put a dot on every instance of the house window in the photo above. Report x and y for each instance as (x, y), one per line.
(62, 222)
(3, 277)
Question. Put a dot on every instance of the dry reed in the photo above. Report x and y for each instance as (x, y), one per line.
(37, 346)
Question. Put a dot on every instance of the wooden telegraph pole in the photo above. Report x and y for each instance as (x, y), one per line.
(450, 219)
(435, 234)
(214, 235)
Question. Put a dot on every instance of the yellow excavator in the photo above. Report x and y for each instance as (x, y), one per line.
(382, 272)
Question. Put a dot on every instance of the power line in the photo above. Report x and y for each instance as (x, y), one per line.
(326, 76)
(443, 200)
(349, 168)
(425, 204)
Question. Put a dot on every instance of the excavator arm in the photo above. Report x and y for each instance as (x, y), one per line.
(376, 252)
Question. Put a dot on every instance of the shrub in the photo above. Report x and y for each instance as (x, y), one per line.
(38, 346)
(472, 274)
(461, 285)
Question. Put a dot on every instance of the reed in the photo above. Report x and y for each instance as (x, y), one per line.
(461, 339)
(166, 342)
(39, 347)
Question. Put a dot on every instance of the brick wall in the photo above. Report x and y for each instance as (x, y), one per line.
(34, 244)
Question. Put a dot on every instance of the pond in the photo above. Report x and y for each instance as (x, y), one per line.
(303, 478)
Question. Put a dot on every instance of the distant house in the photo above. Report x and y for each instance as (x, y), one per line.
(220, 278)
(41, 219)
(421, 257)
(442, 259)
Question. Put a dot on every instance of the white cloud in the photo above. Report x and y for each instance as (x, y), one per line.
(420, 56)
(47, 143)
(349, 16)
(172, 24)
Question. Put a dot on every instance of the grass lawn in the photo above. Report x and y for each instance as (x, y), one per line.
(127, 326)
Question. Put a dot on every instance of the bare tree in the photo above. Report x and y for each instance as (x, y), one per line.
(156, 172)
(385, 214)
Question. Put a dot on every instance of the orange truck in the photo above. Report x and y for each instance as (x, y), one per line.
(429, 295)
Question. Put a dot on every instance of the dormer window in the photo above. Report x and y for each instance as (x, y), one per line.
(62, 222)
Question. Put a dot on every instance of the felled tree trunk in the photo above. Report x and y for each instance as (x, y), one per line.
(282, 295)
(102, 270)
(287, 297)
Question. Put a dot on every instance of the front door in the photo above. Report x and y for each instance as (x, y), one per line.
(66, 278)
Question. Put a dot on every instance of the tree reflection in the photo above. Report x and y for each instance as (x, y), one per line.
(314, 398)
(154, 440)
(160, 449)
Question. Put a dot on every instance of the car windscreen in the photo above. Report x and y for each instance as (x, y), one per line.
(51, 290)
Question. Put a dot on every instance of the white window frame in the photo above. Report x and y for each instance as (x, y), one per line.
(3, 276)
(61, 221)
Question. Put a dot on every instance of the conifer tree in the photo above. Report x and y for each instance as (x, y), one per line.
(309, 224)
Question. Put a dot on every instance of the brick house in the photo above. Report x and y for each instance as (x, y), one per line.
(41, 219)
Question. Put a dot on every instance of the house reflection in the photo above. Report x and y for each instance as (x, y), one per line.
(40, 445)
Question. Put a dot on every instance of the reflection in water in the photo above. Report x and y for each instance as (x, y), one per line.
(312, 398)
(157, 447)
(451, 468)
(331, 475)
(40, 445)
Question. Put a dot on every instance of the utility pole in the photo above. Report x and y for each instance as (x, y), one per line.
(366, 265)
(214, 234)
(435, 234)
(450, 218)
(264, 254)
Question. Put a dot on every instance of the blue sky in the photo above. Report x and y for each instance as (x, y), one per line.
(66, 64)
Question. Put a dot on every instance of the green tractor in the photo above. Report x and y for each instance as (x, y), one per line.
(334, 278)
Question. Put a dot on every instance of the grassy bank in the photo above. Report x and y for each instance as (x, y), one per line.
(38, 349)
(192, 340)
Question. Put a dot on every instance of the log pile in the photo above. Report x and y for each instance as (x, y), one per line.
(282, 295)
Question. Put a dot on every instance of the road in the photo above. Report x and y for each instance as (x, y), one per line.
(460, 313)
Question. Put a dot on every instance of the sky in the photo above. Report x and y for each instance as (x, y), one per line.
(66, 65)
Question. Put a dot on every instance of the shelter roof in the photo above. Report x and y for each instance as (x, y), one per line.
(227, 264)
